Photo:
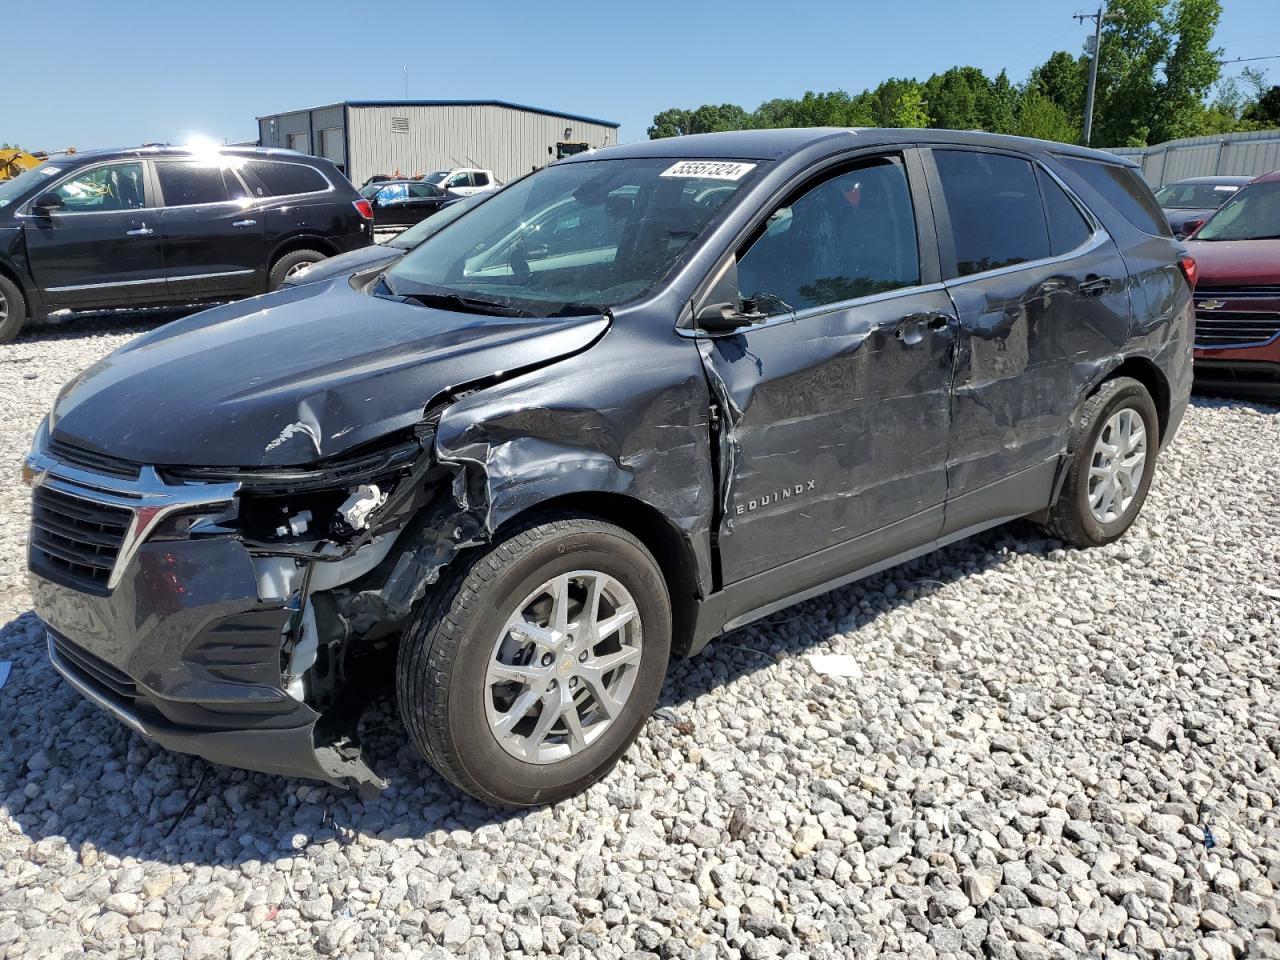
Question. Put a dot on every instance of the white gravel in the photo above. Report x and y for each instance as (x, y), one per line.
(1039, 753)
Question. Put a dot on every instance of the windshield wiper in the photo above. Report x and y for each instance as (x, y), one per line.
(468, 304)
(576, 310)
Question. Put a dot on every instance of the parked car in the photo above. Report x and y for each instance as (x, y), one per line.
(635, 400)
(463, 181)
(401, 203)
(1188, 203)
(161, 226)
(380, 255)
(1237, 340)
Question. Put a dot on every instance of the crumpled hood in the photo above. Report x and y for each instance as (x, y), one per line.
(294, 376)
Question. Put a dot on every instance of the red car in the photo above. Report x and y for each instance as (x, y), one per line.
(1237, 250)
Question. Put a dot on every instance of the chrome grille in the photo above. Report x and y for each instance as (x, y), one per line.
(75, 541)
(1258, 291)
(1235, 328)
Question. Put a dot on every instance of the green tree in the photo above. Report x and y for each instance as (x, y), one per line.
(706, 119)
(1039, 116)
(1063, 79)
(898, 102)
(1265, 111)
(1000, 107)
(955, 98)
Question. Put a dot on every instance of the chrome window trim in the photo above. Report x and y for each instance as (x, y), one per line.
(137, 283)
(148, 499)
(1093, 241)
(141, 161)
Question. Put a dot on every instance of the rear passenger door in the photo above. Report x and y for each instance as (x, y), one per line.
(1041, 294)
(212, 235)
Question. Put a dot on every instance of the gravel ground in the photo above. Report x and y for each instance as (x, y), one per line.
(1040, 753)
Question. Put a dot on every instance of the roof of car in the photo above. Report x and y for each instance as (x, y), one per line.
(1271, 177)
(773, 144)
(1217, 181)
(171, 150)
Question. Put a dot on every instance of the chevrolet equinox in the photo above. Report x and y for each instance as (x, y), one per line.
(636, 400)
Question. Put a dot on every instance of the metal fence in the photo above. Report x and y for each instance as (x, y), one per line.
(1237, 154)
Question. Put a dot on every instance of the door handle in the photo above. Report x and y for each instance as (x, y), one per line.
(910, 329)
(1092, 285)
(142, 231)
(245, 223)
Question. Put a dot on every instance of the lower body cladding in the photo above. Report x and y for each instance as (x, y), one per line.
(210, 650)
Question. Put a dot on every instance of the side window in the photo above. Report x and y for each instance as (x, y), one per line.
(116, 186)
(1068, 228)
(1125, 190)
(480, 179)
(459, 180)
(397, 191)
(849, 236)
(185, 184)
(235, 189)
(423, 191)
(286, 179)
(997, 219)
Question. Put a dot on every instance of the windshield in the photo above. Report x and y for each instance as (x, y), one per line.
(1194, 196)
(576, 235)
(1252, 214)
(435, 223)
(15, 189)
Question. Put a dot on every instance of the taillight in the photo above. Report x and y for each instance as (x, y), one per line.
(1189, 269)
(364, 208)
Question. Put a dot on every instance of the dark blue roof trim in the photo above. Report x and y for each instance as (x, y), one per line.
(477, 103)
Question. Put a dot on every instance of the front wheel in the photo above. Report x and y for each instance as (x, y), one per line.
(526, 673)
(291, 265)
(1113, 456)
(13, 309)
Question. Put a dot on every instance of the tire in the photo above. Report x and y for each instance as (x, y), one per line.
(443, 683)
(1074, 517)
(287, 264)
(13, 309)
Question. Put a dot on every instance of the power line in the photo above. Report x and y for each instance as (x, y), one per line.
(1223, 63)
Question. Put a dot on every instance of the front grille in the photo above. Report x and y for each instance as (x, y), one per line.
(115, 684)
(1235, 329)
(78, 456)
(75, 542)
(1256, 292)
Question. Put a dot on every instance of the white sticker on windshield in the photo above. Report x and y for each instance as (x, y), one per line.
(709, 169)
(1227, 189)
(50, 171)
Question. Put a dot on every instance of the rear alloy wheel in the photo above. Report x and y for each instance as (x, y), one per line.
(290, 265)
(13, 309)
(528, 670)
(1113, 457)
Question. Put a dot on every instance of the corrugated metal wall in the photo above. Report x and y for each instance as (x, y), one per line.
(1234, 154)
(508, 141)
(277, 134)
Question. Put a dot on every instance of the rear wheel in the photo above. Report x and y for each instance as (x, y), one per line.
(527, 672)
(1114, 447)
(290, 265)
(13, 309)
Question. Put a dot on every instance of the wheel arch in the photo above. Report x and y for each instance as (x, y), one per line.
(670, 548)
(1150, 376)
(300, 241)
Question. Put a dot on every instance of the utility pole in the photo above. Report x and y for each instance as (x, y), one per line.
(1093, 67)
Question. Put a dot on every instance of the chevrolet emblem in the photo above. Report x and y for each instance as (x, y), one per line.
(1212, 304)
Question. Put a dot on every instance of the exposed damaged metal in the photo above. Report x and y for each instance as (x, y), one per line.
(366, 443)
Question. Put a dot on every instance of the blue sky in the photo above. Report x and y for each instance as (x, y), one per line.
(93, 74)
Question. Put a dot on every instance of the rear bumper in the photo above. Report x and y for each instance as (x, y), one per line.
(1252, 371)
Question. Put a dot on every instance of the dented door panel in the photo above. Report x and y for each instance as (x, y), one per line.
(835, 424)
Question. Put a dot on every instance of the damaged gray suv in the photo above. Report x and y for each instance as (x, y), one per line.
(640, 398)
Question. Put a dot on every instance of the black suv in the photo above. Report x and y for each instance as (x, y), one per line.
(640, 398)
(158, 226)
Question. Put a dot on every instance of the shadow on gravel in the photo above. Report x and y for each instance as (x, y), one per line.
(69, 773)
(109, 323)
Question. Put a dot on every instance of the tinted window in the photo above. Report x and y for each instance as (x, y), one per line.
(235, 189)
(1124, 190)
(850, 236)
(117, 186)
(996, 216)
(1068, 228)
(423, 191)
(459, 180)
(480, 179)
(397, 191)
(186, 184)
(1194, 196)
(285, 179)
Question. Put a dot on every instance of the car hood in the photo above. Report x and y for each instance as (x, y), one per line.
(1229, 263)
(293, 377)
(364, 258)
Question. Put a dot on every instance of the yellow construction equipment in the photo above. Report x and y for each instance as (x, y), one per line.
(14, 162)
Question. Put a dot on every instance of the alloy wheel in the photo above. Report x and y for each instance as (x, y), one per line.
(298, 268)
(4, 308)
(1115, 471)
(563, 667)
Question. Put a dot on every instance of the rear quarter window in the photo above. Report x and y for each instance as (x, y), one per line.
(1125, 190)
(276, 179)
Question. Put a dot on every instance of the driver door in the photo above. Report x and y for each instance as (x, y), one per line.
(835, 411)
(102, 247)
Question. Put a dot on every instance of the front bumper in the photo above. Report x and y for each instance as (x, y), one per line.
(176, 642)
(1252, 370)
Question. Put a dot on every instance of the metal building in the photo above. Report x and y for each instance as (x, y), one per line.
(367, 137)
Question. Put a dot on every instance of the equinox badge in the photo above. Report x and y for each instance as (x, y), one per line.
(786, 493)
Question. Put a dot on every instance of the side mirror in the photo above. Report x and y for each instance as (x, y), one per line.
(1191, 226)
(47, 203)
(722, 310)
